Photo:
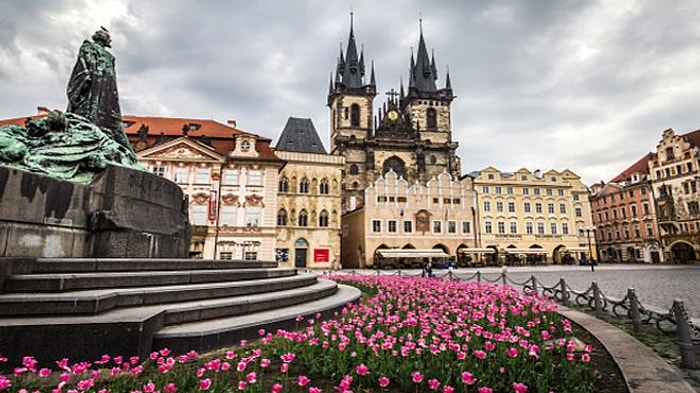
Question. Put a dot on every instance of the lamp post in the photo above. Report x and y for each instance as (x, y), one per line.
(588, 231)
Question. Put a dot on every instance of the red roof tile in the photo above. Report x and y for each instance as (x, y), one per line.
(693, 137)
(641, 166)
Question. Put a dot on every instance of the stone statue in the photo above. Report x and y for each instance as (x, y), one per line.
(79, 144)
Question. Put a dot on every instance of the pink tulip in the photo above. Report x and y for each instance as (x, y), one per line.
(384, 382)
(276, 388)
(170, 388)
(362, 370)
(448, 389)
(433, 384)
(242, 385)
(251, 377)
(485, 389)
(468, 378)
(519, 387)
(417, 377)
(205, 384)
(303, 380)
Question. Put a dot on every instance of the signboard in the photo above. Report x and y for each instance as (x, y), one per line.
(322, 255)
(212, 205)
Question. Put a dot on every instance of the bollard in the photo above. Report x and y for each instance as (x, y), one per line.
(564, 292)
(634, 311)
(478, 276)
(597, 301)
(685, 342)
(534, 284)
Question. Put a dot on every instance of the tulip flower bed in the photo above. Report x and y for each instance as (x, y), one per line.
(407, 335)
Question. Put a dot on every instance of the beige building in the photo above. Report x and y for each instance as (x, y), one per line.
(533, 217)
(229, 177)
(427, 221)
(308, 199)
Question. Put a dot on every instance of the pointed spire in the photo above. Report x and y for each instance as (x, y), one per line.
(403, 94)
(353, 68)
(424, 69)
(372, 79)
(412, 72)
(362, 62)
(448, 83)
(330, 84)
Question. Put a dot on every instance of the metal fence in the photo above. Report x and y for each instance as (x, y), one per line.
(675, 318)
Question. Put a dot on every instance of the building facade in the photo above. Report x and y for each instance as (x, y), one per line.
(624, 215)
(308, 199)
(675, 177)
(533, 217)
(411, 135)
(432, 220)
(229, 177)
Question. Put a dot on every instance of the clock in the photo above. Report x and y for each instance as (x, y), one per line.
(392, 115)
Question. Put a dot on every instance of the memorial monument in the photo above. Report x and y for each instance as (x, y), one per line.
(71, 185)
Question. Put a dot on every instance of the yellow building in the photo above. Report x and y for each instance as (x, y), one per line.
(308, 199)
(533, 217)
(425, 221)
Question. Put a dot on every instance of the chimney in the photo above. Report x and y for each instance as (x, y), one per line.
(42, 110)
(231, 122)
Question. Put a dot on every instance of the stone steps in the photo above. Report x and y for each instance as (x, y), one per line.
(81, 309)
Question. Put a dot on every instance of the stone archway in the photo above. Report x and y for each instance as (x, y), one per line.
(682, 252)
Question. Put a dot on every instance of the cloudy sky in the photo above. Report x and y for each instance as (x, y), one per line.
(541, 84)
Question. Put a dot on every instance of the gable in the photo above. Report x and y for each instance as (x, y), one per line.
(181, 149)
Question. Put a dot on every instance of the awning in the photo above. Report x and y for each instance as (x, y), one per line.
(412, 253)
(477, 250)
(577, 249)
(526, 251)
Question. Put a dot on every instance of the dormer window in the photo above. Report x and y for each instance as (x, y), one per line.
(245, 145)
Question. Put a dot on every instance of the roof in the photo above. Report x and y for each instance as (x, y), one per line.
(641, 166)
(299, 135)
(693, 137)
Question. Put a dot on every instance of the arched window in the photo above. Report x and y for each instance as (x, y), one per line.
(355, 184)
(304, 186)
(284, 185)
(323, 219)
(282, 217)
(431, 118)
(353, 169)
(395, 164)
(323, 187)
(355, 115)
(303, 218)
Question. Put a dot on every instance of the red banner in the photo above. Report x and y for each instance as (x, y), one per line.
(212, 205)
(321, 255)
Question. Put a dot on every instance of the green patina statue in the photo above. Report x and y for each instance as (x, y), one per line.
(78, 144)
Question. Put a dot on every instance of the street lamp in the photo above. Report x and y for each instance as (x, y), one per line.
(588, 231)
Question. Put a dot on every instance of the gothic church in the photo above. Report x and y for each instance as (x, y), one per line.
(411, 133)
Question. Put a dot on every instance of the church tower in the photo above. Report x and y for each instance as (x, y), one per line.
(410, 134)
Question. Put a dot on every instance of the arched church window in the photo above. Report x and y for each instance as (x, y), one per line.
(355, 115)
(353, 169)
(323, 219)
(323, 187)
(282, 217)
(303, 218)
(396, 164)
(431, 118)
(304, 186)
(284, 185)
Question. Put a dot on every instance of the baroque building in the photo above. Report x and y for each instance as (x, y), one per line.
(624, 215)
(411, 135)
(229, 177)
(308, 199)
(675, 177)
(532, 217)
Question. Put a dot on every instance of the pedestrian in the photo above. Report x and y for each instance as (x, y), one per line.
(428, 270)
(592, 262)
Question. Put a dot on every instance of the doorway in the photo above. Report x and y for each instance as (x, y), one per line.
(301, 247)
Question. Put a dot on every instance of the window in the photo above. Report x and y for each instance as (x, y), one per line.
(252, 216)
(526, 191)
(528, 228)
(355, 115)
(451, 226)
(353, 169)
(501, 227)
(201, 175)
(391, 226)
(376, 226)
(431, 118)
(693, 207)
(549, 191)
(637, 232)
(562, 208)
(408, 226)
(323, 219)
(158, 171)
(498, 190)
(579, 213)
(282, 218)
(526, 207)
(228, 215)
(550, 208)
(511, 207)
(560, 191)
(650, 231)
(513, 227)
(645, 208)
(623, 211)
(181, 174)
(633, 210)
(303, 219)
(669, 153)
(304, 186)
(537, 191)
(499, 207)
(565, 228)
(437, 226)
(576, 197)
(199, 214)
(245, 145)
(553, 227)
(250, 255)
(466, 227)
(226, 255)
(487, 206)
(538, 207)
(255, 178)
(488, 227)
(485, 189)
(631, 193)
(323, 187)
(540, 228)
(509, 190)
(283, 185)
(230, 177)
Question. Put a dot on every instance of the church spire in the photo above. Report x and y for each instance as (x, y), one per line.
(353, 66)
(423, 71)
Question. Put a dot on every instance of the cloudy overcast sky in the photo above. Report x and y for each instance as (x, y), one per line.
(581, 85)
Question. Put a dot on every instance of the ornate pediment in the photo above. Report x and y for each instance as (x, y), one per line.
(181, 149)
